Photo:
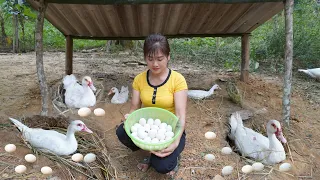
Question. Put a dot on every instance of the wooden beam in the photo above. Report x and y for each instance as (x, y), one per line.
(288, 61)
(245, 55)
(168, 36)
(69, 54)
(154, 1)
(39, 58)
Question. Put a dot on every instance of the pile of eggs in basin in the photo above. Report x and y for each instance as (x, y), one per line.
(152, 131)
(227, 170)
(46, 170)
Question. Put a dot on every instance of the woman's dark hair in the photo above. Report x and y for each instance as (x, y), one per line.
(155, 42)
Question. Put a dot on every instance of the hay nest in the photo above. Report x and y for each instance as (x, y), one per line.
(58, 97)
(101, 168)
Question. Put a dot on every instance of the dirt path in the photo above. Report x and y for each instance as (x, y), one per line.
(19, 96)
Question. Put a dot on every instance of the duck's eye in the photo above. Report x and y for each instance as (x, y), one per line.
(274, 126)
(79, 124)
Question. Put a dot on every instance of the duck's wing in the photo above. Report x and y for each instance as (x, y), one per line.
(74, 94)
(251, 143)
(197, 94)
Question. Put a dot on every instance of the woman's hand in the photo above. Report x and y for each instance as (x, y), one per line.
(167, 151)
(126, 116)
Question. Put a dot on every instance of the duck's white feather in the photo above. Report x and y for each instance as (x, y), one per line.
(268, 150)
(49, 140)
(201, 94)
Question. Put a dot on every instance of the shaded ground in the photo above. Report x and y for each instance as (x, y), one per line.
(19, 97)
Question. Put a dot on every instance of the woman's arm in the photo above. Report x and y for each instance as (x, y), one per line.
(180, 101)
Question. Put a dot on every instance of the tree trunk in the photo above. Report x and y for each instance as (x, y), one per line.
(288, 61)
(16, 34)
(3, 31)
(245, 57)
(39, 58)
(23, 47)
(108, 46)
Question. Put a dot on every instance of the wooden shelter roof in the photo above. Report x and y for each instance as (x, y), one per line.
(135, 19)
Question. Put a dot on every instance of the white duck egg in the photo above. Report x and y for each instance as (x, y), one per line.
(163, 126)
(210, 135)
(77, 157)
(147, 139)
(227, 170)
(258, 166)
(147, 127)
(247, 169)
(209, 157)
(90, 157)
(168, 138)
(46, 170)
(285, 167)
(20, 169)
(134, 134)
(162, 140)
(160, 136)
(142, 121)
(157, 122)
(150, 121)
(141, 129)
(10, 148)
(152, 133)
(169, 128)
(137, 125)
(30, 158)
(134, 129)
(83, 112)
(142, 134)
(155, 127)
(99, 112)
(161, 131)
(155, 140)
(169, 134)
(226, 150)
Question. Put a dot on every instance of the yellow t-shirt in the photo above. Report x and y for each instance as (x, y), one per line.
(161, 96)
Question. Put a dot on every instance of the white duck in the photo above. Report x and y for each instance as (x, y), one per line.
(268, 150)
(76, 95)
(314, 73)
(50, 140)
(119, 97)
(201, 94)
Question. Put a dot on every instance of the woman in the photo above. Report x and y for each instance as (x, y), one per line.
(160, 87)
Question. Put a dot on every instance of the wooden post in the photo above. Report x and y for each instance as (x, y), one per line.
(69, 54)
(245, 55)
(288, 61)
(39, 57)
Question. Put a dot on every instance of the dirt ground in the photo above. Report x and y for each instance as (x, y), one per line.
(20, 97)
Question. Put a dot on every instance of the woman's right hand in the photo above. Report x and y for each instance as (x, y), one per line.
(126, 116)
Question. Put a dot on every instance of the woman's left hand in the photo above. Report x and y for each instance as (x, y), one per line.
(167, 151)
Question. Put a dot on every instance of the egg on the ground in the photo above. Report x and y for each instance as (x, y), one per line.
(46, 170)
(227, 170)
(10, 148)
(83, 112)
(30, 158)
(226, 150)
(99, 112)
(258, 166)
(20, 169)
(209, 157)
(90, 157)
(247, 169)
(77, 157)
(210, 135)
(285, 167)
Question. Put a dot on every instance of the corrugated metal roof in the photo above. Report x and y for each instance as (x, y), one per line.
(132, 20)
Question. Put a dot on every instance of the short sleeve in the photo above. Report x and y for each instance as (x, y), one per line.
(135, 84)
(180, 83)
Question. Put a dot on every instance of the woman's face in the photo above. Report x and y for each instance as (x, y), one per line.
(157, 62)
